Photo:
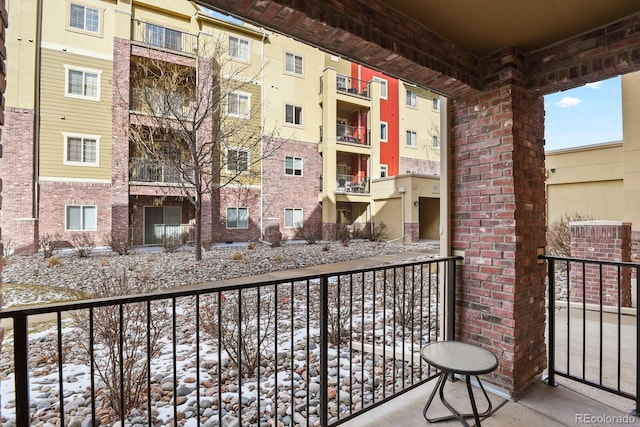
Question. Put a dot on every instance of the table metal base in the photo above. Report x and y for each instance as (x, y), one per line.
(442, 380)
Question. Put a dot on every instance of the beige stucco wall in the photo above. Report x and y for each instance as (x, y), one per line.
(587, 181)
(422, 119)
(631, 135)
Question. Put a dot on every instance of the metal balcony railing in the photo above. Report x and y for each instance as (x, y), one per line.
(318, 349)
(147, 170)
(353, 86)
(352, 134)
(592, 337)
(352, 184)
(163, 38)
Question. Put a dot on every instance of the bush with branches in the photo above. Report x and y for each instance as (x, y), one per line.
(378, 232)
(243, 323)
(140, 335)
(559, 234)
(49, 243)
(118, 241)
(310, 230)
(83, 244)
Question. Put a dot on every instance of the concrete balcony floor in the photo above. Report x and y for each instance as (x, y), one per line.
(569, 403)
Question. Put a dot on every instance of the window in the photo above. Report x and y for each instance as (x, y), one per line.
(82, 83)
(383, 87)
(81, 150)
(84, 18)
(383, 131)
(238, 48)
(293, 114)
(435, 141)
(412, 99)
(237, 218)
(163, 37)
(384, 171)
(238, 104)
(238, 161)
(412, 138)
(293, 166)
(436, 104)
(292, 217)
(81, 218)
(293, 64)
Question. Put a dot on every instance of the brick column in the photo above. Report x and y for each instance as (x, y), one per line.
(603, 241)
(498, 222)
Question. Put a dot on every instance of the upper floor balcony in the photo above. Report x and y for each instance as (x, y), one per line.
(349, 85)
(165, 38)
(351, 135)
(153, 171)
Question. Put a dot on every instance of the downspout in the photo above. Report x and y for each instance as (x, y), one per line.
(36, 114)
(262, 134)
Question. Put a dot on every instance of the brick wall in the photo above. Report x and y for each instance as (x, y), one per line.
(283, 191)
(55, 196)
(497, 221)
(16, 172)
(426, 167)
(235, 197)
(603, 241)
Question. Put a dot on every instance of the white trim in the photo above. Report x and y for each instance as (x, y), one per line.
(293, 73)
(72, 50)
(245, 150)
(406, 131)
(298, 125)
(66, 135)
(79, 180)
(386, 131)
(240, 116)
(386, 85)
(101, 12)
(226, 219)
(81, 206)
(284, 222)
(237, 58)
(68, 68)
(414, 98)
(386, 170)
(293, 168)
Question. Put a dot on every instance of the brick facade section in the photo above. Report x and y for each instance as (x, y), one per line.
(18, 184)
(498, 221)
(3, 82)
(603, 241)
(285, 191)
(55, 196)
(426, 167)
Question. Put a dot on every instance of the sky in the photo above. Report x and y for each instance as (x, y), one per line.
(589, 114)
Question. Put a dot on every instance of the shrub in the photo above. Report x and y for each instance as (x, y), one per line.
(49, 243)
(325, 247)
(252, 245)
(5, 261)
(53, 260)
(559, 234)
(7, 246)
(171, 244)
(378, 232)
(310, 230)
(118, 241)
(140, 335)
(343, 234)
(83, 244)
(238, 256)
(246, 321)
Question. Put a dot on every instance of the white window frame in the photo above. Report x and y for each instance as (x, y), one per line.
(67, 71)
(411, 142)
(384, 171)
(163, 37)
(384, 87)
(290, 59)
(435, 104)
(435, 141)
(67, 135)
(82, 222)
(294, 160)
(294, 108)
(238, 225)
(84, 29)
(238, 53)
(384, 135)
(239, 150)
(295, 212)
(240, 114)
(411, 99)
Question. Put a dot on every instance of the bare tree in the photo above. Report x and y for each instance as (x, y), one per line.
(200, 121)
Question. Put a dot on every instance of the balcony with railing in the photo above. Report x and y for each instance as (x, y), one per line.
(160, 37)
(312, 348)
(349, 85)
(357, 135)
(153, 171)
(352, 184)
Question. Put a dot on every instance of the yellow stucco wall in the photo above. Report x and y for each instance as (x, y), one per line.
(631, 135)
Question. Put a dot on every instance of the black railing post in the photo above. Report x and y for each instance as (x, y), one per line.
(324, 351)
(451, 300)
(21, 365)
(551, 365)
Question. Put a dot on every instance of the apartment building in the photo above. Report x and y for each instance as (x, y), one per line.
(317, 137)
